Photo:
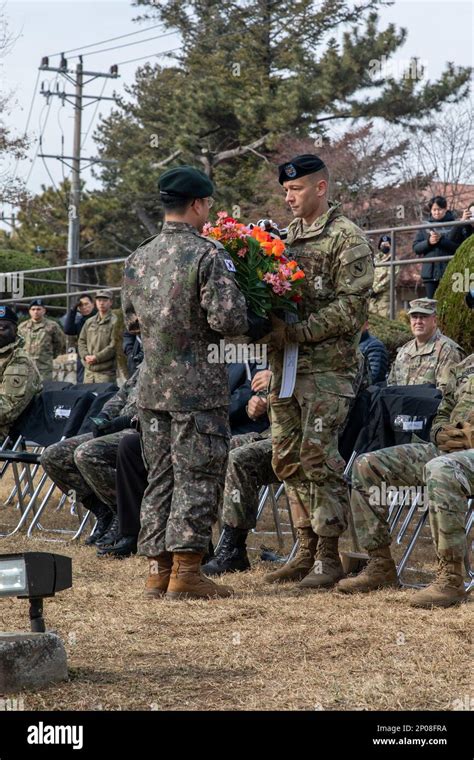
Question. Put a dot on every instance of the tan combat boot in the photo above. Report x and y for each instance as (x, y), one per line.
(302, 562)
(447, 589)
(380, 572)
(327, 568)
(188, 582)
(159, 571)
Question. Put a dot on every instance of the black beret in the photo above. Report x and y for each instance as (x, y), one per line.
(299, 166)
(185, 182)
(385, 239)
(7, 314)
(36, 302)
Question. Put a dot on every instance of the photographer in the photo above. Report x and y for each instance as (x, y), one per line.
(431, 243)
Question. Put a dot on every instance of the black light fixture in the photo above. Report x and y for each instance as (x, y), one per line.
(34, 576)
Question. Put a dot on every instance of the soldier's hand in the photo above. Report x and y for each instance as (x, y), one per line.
(451, 438)
(256, 407)
(261, 380)
(278, 337)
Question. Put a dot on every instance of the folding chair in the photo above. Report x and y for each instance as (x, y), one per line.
(40, 425)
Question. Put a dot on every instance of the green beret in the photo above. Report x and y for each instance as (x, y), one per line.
(299, 166)
(185, 182)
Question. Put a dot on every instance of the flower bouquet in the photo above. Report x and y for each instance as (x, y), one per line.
(268, 279)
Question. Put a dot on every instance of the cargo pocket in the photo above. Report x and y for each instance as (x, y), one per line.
(210, 446)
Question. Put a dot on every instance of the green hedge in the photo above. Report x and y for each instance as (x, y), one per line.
(454, 317)
(15, 261)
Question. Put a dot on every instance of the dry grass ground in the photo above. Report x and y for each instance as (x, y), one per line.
(269, 648)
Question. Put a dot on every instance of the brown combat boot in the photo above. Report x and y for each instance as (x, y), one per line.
(380, 572)
(188, 582)
(447, 589)
(302, 562)
(327, 568)
(159, 571)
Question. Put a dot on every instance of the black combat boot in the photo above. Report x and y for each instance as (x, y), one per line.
(126, 546)
(231, 556)
(104, 517)
(112, 534)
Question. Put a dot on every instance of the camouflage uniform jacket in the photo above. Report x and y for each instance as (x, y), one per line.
(19, 383)
(337, 260)
(43, 341)
(180, 287)
(427, 363)
(125, 400)
(458, 398)
(97, 337)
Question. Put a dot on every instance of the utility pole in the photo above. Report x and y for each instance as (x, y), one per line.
(76, 99)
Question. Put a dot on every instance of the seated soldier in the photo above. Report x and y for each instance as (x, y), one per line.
(19, 378)
(249, 468)
(430, 355)
(447, 467)
(85, 464)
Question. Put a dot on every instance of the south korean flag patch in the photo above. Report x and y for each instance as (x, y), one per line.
(230, 265)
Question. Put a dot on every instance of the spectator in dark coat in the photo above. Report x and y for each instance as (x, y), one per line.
(133, 350)
(74, 320)
(431, 243)
(376, 355)
(460, 234)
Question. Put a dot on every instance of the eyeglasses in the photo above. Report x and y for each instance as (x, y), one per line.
(210, 202)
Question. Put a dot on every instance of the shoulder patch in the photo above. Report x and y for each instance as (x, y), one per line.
(230, 265)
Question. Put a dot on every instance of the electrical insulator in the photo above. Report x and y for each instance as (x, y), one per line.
(45, 61)
(114, 70)
(63, 63)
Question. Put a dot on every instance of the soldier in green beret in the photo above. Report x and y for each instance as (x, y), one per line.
(179, 289)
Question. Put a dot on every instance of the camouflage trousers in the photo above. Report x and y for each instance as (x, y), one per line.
(85, 466)
(186, 457)
(248, 469)
(449, 480)
(305, 431)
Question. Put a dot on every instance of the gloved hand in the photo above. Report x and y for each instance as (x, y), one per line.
(278, 337)
(102, 426)
(258, 326)
(453, 438)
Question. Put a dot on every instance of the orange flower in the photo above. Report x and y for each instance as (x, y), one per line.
(278, 247)
(291, 264)
(299, 275)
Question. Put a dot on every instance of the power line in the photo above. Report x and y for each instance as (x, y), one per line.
(42, 128)
(129, 44)
(94, 114)
(152, 55)
(30, 111)
(111, 39)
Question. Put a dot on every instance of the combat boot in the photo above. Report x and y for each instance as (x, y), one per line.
(380, 572)
(231, 557)
(447, 589)
(188, 582)
(327, 568)
(104, 517)
(159, 571)
(302, 562)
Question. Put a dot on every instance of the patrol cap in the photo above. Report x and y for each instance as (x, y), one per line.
(299, 166)
(384, 239)
(37, 302)
(7, 314)
(423, 306)
(185, 182)
(104, 294)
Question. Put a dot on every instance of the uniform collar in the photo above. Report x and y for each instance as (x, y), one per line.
(298, 231)
(179, 227)
(18, 343)
(427, 347)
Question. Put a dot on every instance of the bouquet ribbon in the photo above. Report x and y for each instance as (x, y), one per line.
(290, 363)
